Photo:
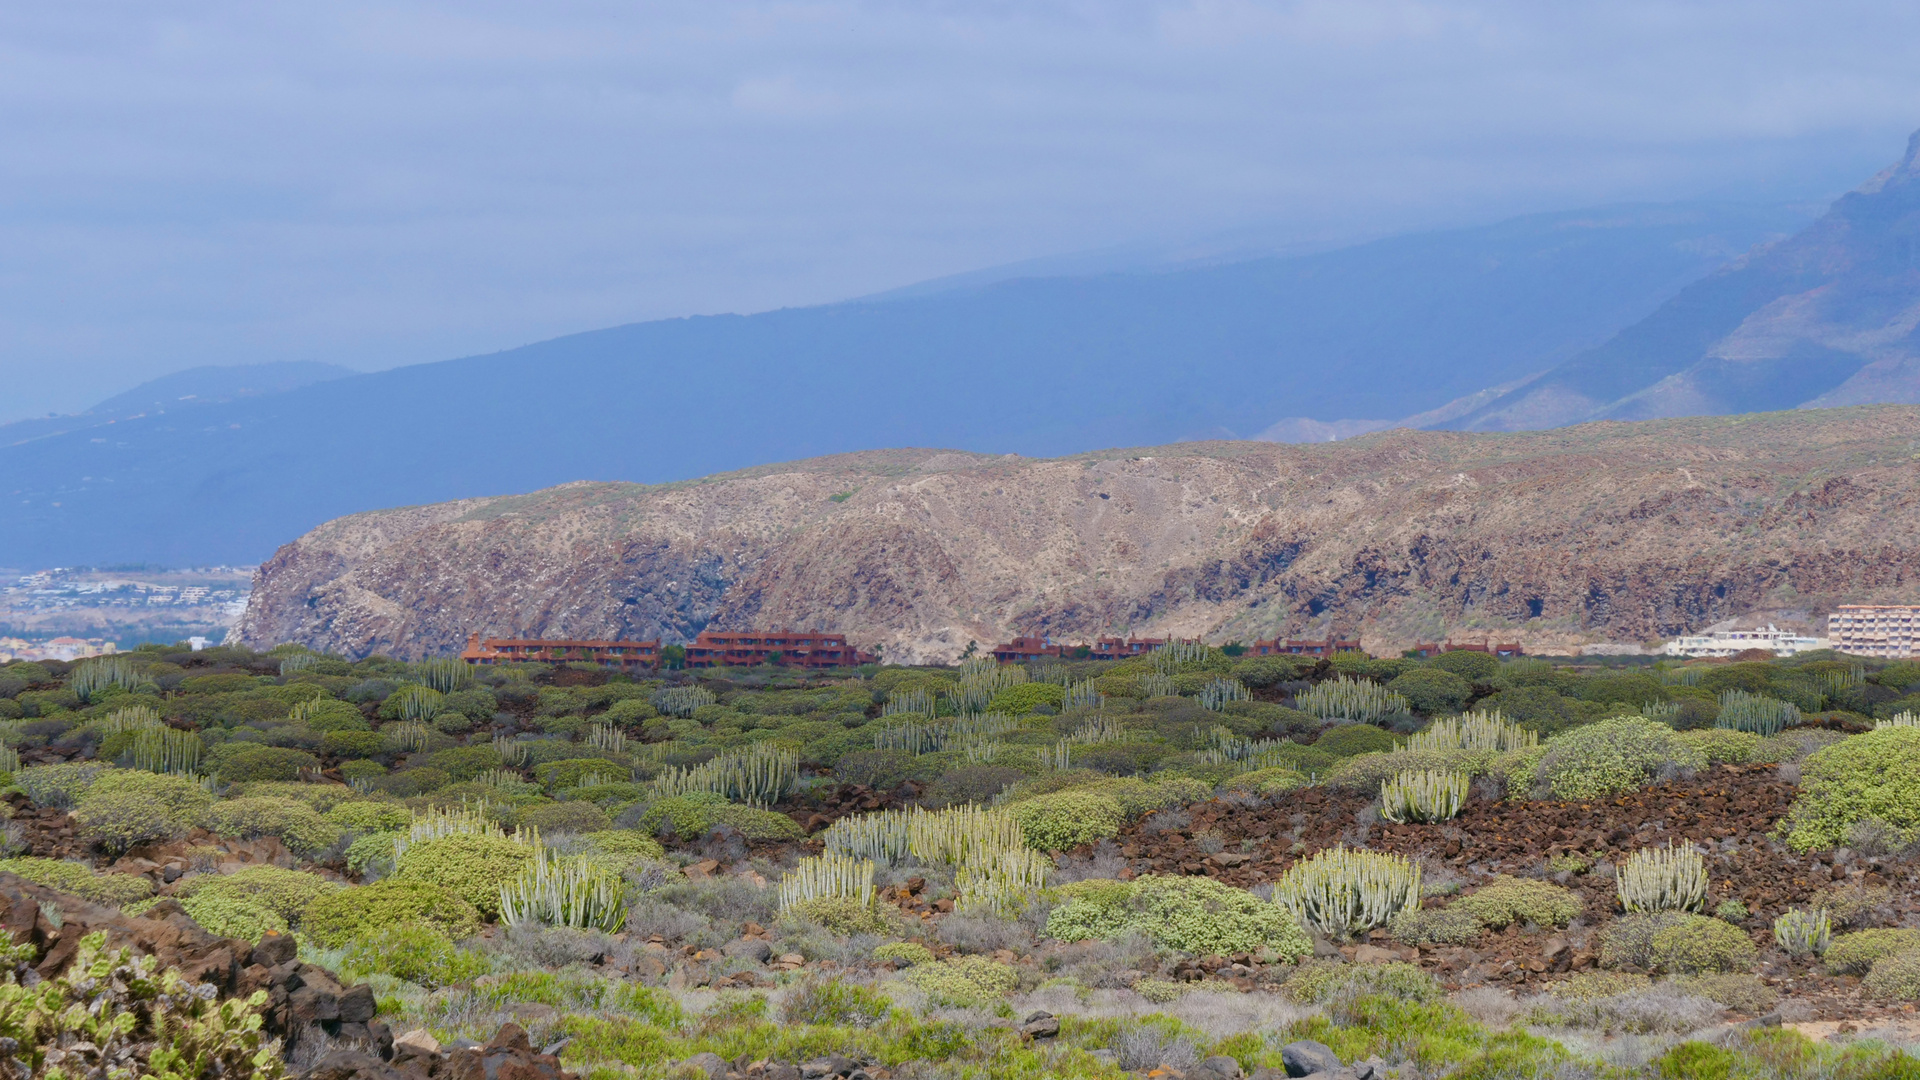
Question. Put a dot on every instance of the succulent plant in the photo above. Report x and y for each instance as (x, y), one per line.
(1664, 879)
(1424, 796)
(1346, 891)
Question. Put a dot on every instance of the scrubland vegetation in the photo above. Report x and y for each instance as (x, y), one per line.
(1460, 866)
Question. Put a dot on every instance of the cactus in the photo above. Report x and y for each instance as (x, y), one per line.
(444, 673)
(1058, 757)
(1002, 884)
(1664, 879)
(296, 663)
(1082, 695)
(925, 736)
(419, 703)
(959, 834)
(758, 775)
(9, 760)
(409, 735)
(135, 718)
(1663, 711)
(1096, 731)
(1484, 731)
(1680, 676)
(1842, 682)
(1167, 658)
(1217, 693)
(1157, 684)
(164, 750)
(512, 751)
(978, 750)
(565, 892)
(507, 781)
(882, 836)
(1803, 933)
(607, 737)
(436, 822)
(838, 876)
(914, 702)
(1349, 699)
(89, 677)
(1346, 891)
(1900, 719)
(979, 682)
(682, 700)
(1758, 713)
(1424, 796)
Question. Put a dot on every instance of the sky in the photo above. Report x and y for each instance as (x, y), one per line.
(382, 184)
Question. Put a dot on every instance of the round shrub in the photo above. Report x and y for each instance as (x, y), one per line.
(232, 917)
(969, 982)
(1320, 984)
(1432, 691)
(331, 715)
(1192, 914)
(285, 893)
(422, 954)
(1727, 746)
(1263, 671)
(299, 827)
(124, 808)
(689, 816)
(1366, 772)
(625, 843)
(471, 866)
(1469, 665)
(905, 952)
(354, 744)
(1442, 926)
(339, 917)
(1024, 698)
(1508, 900)
(1613, 757)
(57, 785)
(368, 816)
(756, 824)
(832, 1002)
(1895, 978)
(881, 769)
(1700, 944)
(372, 853)
(80, 880)
(1269, 783)
(1871, 776)
(571, 816)
(842, 915)
(1067, 819)
(1853, 954)
(1347, 740)
(244, 763)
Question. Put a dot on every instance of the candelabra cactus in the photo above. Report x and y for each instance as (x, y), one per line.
(1346, 891)
(1427, 795)
(1664, 879)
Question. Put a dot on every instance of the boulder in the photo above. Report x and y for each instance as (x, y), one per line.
(1306, 1057)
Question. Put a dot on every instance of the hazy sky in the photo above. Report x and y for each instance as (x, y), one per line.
(378, 184)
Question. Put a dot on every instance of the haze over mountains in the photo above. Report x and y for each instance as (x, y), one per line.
(1030, 366)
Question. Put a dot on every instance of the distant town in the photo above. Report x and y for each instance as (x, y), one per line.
(69, 613)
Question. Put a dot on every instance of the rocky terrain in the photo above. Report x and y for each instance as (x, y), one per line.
(1601, 532)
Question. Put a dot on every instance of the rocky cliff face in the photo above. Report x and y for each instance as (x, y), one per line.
(1606, 531)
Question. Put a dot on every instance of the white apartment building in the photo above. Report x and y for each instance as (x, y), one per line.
(1885, 630)
(1728, 642)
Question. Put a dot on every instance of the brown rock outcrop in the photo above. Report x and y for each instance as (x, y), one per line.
(1605, 531)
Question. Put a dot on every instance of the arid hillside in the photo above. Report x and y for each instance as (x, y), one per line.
(1612, 531)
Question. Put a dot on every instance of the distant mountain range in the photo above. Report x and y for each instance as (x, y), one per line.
(1416, 325)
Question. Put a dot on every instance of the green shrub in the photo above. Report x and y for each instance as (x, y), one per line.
(569, 772)
(1067, 819)
(1739, 991)
(285, 893)
(80, 880)
(1613, 757)
(57, 785)
(304, 832)
(1320, 984)
(339, 917)
(471, 866)
(422, 954)
(907, 952)
(1677, 942)
(1192, 914)
(1699, 944)
(843, 915)
(625, 843)
(1472, 666)
(1346, 740)
(1432, 691)
(1853, 954)
(879, 769)
(1366, 772)
(330, 715)
(1438, 926)
(372, 853)
(239, 763)
(835, 1003)
(973, 982)
(1508, 900)
(570, 816)
(756, 824)
(1270, 783)
(1022, 699)
(354, 744)
(1872, 776)
(233, 917)
(367, 816)
(689, 815)
(464, 762)
(1727, 746)
(1895, 978)
(124, 808)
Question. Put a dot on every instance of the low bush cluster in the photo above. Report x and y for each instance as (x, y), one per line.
(1192, 914)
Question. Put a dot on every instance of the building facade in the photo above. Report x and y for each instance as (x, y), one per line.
(1729, 642)
(1884, 630)
(1303, 647)
(614, 654)
(792, 648)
